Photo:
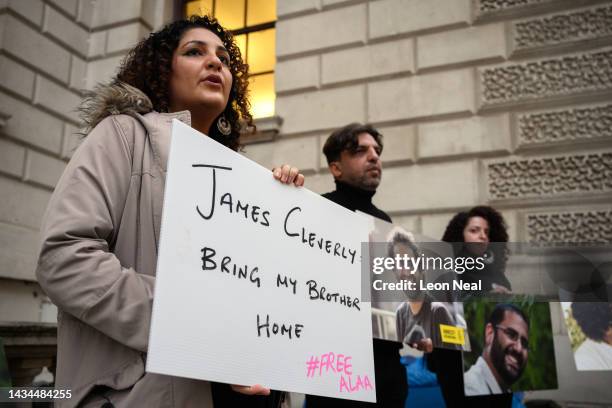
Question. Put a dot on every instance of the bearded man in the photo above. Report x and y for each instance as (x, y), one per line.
(505, 354)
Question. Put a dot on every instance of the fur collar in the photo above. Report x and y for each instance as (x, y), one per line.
(112, 99)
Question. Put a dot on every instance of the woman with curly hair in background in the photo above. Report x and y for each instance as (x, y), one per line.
(595, 321)
(478, 232)
(101, 229)
(481, 232)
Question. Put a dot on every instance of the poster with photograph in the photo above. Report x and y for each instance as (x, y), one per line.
(403, 309)
(512, 347)
(589, 327)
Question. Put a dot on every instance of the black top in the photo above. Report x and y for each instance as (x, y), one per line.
(356, 199)
(391, 381)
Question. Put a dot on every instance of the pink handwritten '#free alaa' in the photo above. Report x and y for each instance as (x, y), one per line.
(337, 364)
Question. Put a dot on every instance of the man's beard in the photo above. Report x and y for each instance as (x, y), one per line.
(365, 182)
(508, 373)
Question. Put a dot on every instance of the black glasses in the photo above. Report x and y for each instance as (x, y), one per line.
(514, 336)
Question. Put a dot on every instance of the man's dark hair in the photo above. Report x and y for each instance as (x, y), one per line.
(498, 314)
(346, 138)
(593, 318)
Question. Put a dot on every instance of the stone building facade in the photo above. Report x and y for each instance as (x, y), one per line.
(50, 51)
(500, 102)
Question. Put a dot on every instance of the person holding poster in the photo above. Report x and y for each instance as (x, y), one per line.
(101, 229)
(353, 156)
(471, 234)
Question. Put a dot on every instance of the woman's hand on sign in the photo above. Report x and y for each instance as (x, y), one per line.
(425, 345)
(288, 174)
(256, 389)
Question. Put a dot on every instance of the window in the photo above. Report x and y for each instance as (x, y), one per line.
(252, 23)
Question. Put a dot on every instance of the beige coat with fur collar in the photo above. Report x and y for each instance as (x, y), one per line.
(99, 249)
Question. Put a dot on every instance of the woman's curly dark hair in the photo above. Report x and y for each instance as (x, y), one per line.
(498, 233)
(148, 67)
(595, 319)
(497, 225)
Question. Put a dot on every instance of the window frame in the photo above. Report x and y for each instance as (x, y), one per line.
(180, 12)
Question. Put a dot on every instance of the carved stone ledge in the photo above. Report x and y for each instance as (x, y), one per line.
(551, 78)
(550, 176)
(572, 227)
(490, 6)
(27, 333)
(583, 25)
(267, 130)
(570, 125)
(507, 9)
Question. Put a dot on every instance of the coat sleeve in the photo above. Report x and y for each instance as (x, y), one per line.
(76, 267)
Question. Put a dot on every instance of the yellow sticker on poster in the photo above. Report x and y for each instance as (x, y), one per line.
(452, 334)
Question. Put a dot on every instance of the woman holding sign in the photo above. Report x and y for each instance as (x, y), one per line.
(101, 229)
(481, 231)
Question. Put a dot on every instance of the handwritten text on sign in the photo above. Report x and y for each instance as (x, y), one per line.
(252, 272)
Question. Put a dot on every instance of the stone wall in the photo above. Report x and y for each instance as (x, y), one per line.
(50, 51)
(480, 101)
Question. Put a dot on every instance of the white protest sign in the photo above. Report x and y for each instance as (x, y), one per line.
(257, 282)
